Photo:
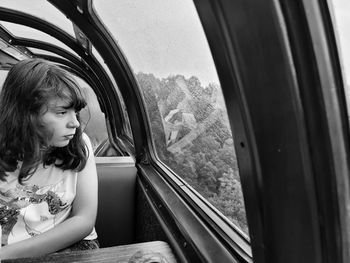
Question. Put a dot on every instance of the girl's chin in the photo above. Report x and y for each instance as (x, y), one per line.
(60, 143)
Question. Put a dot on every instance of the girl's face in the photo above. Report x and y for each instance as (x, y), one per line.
(59, 121)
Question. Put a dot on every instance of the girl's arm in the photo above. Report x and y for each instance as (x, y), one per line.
(73, 229)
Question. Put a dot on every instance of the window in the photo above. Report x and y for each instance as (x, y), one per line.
(30, 33)
(92, 119)
(38, 51)
(169, 54)
(340, 10)
(127, 126)
(43, 10)
(3, 74)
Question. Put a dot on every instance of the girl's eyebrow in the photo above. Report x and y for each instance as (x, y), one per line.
(60, 105)
(66, 107)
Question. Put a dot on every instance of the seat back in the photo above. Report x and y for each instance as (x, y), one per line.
(115, 223)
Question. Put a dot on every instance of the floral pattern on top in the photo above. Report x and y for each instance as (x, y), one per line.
(13, 201)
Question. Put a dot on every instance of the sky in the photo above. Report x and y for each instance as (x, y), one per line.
(165, 37)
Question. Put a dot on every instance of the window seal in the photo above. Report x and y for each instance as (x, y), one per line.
(189, 221)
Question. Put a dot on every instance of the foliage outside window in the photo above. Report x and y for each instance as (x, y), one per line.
(192, 136)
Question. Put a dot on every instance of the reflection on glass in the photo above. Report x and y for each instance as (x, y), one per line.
(127, 127)
(340, 10)
(167, 49)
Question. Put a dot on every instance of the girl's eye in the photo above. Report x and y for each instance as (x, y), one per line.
(61, 113)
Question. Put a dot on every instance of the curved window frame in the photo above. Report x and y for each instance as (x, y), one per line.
(233, 236)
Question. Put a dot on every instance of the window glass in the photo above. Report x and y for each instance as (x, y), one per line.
(340, 10)
(12, 51)
(38, 51)
(166, 47)
(91, 117)
(43, 10)
(3, 74)
(30, 33)
(127, 127)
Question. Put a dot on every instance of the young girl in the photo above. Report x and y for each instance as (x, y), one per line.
(48, 181)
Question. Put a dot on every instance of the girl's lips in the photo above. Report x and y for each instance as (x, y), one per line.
(69, 137)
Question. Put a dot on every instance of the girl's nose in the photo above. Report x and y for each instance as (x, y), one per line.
(73, 122)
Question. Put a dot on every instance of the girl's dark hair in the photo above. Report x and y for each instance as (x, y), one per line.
(29, 85)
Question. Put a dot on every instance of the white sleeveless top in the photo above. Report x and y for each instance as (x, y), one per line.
(42, 202)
